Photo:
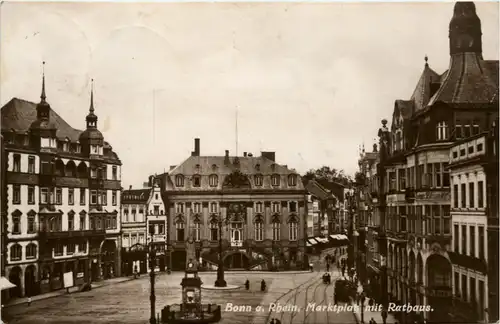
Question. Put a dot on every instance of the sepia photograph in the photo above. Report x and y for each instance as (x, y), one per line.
(253, 162)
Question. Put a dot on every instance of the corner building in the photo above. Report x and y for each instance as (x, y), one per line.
(443, 108)
(63, 199)
(257, 206)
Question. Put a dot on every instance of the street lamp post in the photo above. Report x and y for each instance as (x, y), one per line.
(383, 135)
(152, 265)
(220, 282)
(350, 233)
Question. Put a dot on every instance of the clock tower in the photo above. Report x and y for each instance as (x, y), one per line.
(465, 29)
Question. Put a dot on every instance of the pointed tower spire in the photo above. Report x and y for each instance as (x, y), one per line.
(426, 58)
(91, 109)
(465, 29)
(43, 96)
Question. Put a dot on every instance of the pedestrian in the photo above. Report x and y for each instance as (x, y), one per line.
(29, 300)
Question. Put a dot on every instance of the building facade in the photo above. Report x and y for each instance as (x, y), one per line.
(144, 222)
(257, 206)
(443, 108)
(63, 198)
(366, 222)
(470, 207)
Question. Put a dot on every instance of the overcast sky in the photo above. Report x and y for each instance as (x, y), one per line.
(310, 81)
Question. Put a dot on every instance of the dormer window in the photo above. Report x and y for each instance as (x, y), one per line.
(442, 131)
(213, 180)
(214, 167)
(258, 180)
(257, 167)
(275, 180)
(197, 167)
(179, 180)
(93, 173)
(292, 180)
(94, 149)
(196, 181)
(78, 148)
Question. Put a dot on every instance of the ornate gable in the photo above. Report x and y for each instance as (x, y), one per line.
(236, 180)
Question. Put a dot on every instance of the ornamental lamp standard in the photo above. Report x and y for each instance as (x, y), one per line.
(383, 135)
(152, 266)
(220, 282)
(351, 205)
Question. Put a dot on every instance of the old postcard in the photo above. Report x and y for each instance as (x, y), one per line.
(249, 162)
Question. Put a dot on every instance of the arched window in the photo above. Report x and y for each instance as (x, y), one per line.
(179, 229)
(259, 207)
(259, 229)
(276, 225)
(292, 180)
(258, 180)
(31, 251)
(179, 180)
(213, 207)
(214, 229)
(442, 131)
(16, 252)
(196, 181)
(213, 180)
(197, 230)
(293, 228)
(275, 179)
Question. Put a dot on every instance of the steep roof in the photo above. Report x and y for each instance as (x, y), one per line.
(317, 190)
(19, 114)
(422, 93)
(135, 196)
(470, 79)
(205, 166)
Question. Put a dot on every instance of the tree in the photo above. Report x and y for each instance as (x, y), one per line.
(329, 174)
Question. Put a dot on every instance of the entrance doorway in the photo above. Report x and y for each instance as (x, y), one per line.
(236, 260)
(30, 287)
(15, 278)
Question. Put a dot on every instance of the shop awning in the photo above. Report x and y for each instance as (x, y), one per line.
(339, 237)
(321, 239)
(308, 244)
(312, 241)
(6, 284)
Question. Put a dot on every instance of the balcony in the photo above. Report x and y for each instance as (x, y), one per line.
(44, 234)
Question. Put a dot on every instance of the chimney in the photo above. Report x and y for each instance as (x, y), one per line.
(244, 154)
(269, 155)
(226, 158)
(196, 151)
(250, 155)
(130, 187)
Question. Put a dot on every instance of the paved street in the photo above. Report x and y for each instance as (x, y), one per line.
(128, 302)
(307, 303)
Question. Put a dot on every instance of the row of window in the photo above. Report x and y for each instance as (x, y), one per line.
(470, 238)
(132, 239)
(213, 180)
(55, 196)
(430, 175)
(470, 150)
(258, 207)
(427, 219)
(54, 223)
(463, 129)
(156, 229)
(133, 212)
(466, 290)
(16, 252)
(59, 169)
(236, 230)
(468, 195)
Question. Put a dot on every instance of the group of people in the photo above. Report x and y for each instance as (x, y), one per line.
(263, 285)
